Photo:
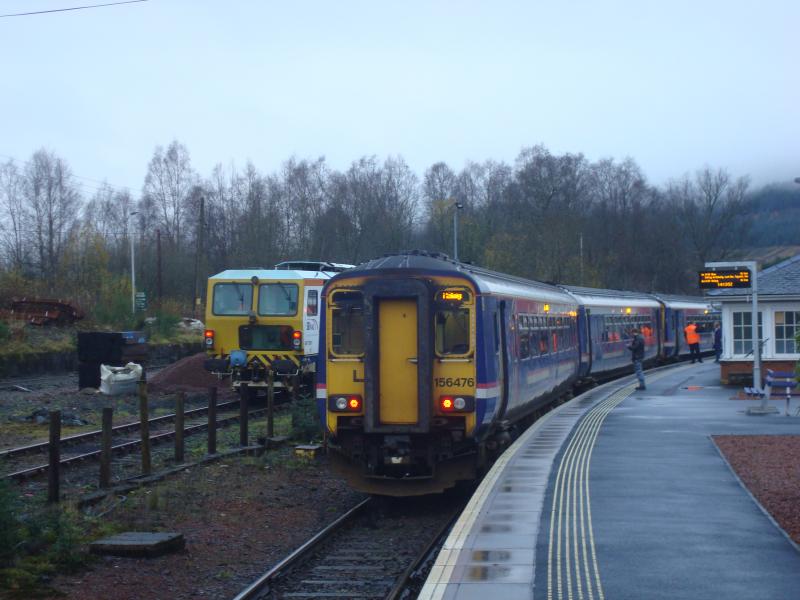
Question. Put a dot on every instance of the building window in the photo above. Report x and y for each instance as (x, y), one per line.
(787, 325)
(743, 332)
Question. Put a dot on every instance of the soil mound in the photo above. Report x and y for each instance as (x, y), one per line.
(186, 375)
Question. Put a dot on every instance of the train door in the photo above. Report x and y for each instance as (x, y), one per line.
(311, 321)
(585, 339)
(502, 355)
(398, 373)
(398, 357)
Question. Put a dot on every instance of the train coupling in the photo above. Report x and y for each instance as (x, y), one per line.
(396, 450)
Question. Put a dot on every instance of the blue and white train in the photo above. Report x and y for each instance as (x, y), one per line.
(428, 368)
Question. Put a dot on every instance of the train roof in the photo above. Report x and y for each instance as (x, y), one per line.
(312, 265)
(603, 297)
(683, 302)
(486, 281)
(271, 274)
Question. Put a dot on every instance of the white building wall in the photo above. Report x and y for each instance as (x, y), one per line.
(767, 310)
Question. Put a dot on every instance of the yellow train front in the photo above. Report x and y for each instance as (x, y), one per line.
(261, 320)
(413, 384)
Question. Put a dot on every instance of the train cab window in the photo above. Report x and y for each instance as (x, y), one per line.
(277, 299)
(313, 303)
(232, 298)
(347, 323)
(452, 331)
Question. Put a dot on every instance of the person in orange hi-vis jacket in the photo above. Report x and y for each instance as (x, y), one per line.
(693, 339)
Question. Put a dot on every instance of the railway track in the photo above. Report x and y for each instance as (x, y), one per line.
(82, 438)
(372, 551)
(127, 446)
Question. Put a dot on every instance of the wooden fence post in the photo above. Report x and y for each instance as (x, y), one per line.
(212, 420)
(54, 451)
(270, 403)
(244, 396)
(105, 448)
(180, 405)
(144, 426)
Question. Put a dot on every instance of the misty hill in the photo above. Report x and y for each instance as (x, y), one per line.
(774, 213)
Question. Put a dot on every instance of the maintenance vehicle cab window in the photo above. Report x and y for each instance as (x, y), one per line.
(232, 298)
(347, 323)
(277, 299)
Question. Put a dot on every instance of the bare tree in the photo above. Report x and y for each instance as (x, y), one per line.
(12, 200)
(710, 205)
(167, 185)
(53, 199)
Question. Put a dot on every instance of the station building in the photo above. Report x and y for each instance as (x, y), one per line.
(778, 323)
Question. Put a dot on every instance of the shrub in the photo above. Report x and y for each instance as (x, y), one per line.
(10, 534)
(5, 331)
(164, 325)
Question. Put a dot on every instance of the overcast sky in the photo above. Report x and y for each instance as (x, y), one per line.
(675, 85)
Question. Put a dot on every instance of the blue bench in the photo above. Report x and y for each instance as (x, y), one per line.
(753, 393)
(782, 380)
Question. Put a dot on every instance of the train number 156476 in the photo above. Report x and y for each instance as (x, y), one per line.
(454, 381)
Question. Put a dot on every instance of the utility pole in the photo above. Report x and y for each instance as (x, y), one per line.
(198, 252)
(457, 206)
(159, 291)
(581, 250)
(133, 264)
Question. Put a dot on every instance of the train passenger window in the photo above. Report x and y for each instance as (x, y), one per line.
(544, 343)
(347, 324)
(232, 298)
(524, 346)
(313, 303)
(452, 331)
(277, 299)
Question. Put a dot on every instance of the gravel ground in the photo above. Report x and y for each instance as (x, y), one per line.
(18, 409)
(239, 517)
(768, 466)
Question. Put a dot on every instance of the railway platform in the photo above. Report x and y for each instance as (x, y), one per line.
(622, 494)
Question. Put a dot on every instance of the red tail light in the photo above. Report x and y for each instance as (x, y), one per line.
(456, 403)
(208, 337)
(297, 339)
(349, 403)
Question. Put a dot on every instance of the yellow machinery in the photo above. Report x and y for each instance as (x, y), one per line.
(260, 320)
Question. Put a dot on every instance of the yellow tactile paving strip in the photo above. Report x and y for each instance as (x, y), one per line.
(572, 563)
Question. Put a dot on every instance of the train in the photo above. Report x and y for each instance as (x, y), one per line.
(260, 320)
(428, 368)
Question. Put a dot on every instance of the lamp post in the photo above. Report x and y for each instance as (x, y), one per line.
(133, 266)
(457, 206)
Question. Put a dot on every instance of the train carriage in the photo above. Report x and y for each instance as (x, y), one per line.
(259, 320)
(606, 320)
(679, 311)
(427, 365)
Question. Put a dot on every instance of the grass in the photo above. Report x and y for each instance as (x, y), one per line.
(38, 542)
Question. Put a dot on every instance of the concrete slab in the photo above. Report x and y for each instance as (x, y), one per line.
(139, 544)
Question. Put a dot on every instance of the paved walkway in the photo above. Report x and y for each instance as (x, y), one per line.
(622, 494)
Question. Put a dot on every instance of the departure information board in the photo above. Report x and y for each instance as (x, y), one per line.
(725, 279)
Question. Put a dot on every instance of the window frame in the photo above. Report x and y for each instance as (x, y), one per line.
(231, 283)
(261, 287)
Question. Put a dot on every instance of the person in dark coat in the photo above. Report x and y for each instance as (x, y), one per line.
(717, 341)
(637, 356)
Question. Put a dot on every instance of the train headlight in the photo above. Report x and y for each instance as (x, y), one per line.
(345, 403)
(297, 339)
(208, 338)
(449, 404)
